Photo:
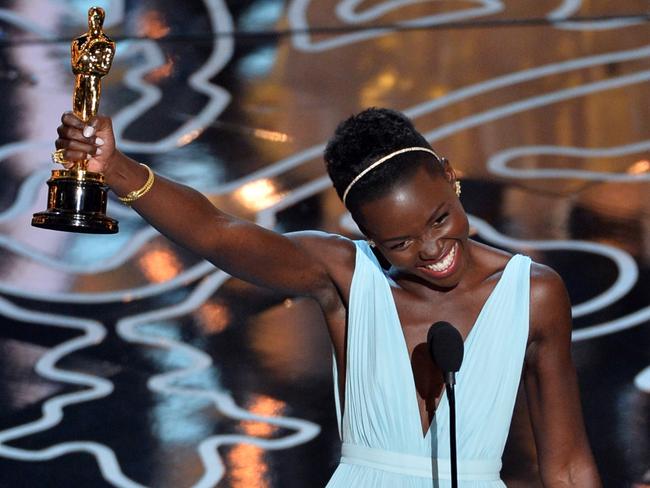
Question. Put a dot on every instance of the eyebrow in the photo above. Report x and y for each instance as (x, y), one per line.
(435, 212)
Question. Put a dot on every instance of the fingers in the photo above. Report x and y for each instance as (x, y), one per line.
(76, 146)
(80, 141)
(74, 129)
(69, 118)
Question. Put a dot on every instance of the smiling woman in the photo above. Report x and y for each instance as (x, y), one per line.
(513, 314)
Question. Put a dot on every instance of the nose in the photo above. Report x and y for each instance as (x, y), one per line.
(430, 248)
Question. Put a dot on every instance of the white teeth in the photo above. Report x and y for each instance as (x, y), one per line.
(443, 264)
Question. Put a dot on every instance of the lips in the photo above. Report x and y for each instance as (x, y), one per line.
(444, 266)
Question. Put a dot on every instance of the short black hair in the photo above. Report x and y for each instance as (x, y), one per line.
(365, 138)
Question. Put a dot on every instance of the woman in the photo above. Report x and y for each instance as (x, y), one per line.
(514, 315)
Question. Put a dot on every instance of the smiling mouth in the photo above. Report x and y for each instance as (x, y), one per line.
(444, 264)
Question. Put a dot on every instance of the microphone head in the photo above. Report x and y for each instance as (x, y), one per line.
(446, 346)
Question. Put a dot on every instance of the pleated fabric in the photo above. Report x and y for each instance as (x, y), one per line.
(383, 444)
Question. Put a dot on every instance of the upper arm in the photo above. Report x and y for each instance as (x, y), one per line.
(239, 247)
(297, 264)
(552, 386)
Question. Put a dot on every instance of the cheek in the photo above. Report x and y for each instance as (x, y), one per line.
(398, 260)
(460, 225)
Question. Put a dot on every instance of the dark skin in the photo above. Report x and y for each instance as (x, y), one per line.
(418, 222)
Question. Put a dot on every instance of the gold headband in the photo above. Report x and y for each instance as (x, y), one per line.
(383, 160)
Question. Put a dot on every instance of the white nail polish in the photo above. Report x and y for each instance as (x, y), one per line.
(98, 152)
(99, 141)
(89, 131)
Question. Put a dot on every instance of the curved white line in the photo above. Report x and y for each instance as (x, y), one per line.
(127, 329)
(642, 380)
(183, 279)
(536, 102)
(346, 9)
(570, 7)
(297, 16)
(621, 323)
(627, 277)
(121, 256)
(32, 184)
(25, 24)
(52, 409)
(218, 98)
(628, 272)
(459, 95)
(268, 217)
(498, 163)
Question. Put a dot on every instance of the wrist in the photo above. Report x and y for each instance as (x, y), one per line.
(123, 174)
(114, 167)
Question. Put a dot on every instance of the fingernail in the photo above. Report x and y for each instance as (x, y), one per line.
(99, 141)
(98, 152)
(89, 131)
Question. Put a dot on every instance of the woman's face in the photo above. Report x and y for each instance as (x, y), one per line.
(421, 228)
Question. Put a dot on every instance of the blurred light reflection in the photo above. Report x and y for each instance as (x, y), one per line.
(271, 135)
(161, 72)
(159, 264)
(258, 63)
(248, 468)
(258, 194)
(213, 317)
(152, 24)
(639, 167)
(267, 407)
(185, 139)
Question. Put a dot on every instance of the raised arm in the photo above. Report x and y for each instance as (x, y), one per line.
(563, 452)
(239, 247)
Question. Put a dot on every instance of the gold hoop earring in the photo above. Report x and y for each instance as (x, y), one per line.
(457, 188)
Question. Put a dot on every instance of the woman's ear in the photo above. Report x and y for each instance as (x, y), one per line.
(448, 170)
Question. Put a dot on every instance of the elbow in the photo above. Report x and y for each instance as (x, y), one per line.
(582, 474)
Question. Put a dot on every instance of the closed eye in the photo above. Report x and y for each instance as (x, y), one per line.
(441, 219)
(401, 245)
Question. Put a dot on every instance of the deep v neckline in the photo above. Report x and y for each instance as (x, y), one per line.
(466, 342)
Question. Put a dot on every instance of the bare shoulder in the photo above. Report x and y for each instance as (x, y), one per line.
(550, 307)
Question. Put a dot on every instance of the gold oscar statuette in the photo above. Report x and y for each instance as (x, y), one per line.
(76, 199)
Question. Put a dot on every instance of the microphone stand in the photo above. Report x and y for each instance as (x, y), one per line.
(450, 382)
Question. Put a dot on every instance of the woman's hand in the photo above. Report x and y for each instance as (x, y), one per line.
(93, 141)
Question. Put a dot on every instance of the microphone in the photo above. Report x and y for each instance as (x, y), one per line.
(446, 347)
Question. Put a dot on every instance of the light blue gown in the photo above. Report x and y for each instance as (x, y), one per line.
(383, 444)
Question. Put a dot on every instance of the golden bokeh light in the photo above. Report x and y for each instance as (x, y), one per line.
(152, 24)
(639, 168)
(258, 194)
(213, 317)
(159, 264)
(267, 407)
(248, 468)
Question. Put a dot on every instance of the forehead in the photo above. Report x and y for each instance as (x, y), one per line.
(406, 207)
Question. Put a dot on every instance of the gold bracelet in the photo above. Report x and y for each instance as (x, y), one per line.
(139, 193)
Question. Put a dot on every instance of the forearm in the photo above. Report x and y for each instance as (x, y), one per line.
(177, 211)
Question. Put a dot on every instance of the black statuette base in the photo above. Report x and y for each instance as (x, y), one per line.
(75, 205)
